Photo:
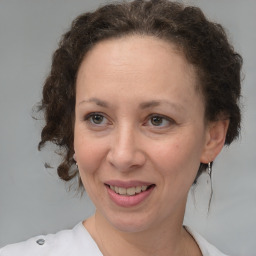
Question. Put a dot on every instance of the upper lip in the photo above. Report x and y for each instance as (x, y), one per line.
(127, 184)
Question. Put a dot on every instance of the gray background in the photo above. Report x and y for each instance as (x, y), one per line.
(32, 199)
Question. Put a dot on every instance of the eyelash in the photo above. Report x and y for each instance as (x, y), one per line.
(94, 114)
(163, 118)
(88, 119)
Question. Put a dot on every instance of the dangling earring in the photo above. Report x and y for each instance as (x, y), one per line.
(74, 157)
(209, 169)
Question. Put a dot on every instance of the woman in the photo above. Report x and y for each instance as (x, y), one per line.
(142, 97)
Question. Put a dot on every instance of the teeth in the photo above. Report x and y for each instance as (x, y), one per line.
(143, 188)
(129, 191)
(122, 191)
(138, 190)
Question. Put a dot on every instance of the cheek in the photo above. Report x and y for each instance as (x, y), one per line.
(89, 151)
(89, 156)
(178, 158)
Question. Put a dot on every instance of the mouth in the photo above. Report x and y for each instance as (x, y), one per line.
(131, 191)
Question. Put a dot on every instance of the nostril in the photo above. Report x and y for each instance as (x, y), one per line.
(126, 160)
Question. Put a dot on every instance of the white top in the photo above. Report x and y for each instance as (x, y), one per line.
(78, 242)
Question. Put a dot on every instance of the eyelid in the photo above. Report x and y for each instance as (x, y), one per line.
(91, 114)
(169, 119)
(87, 116)
(108, 121)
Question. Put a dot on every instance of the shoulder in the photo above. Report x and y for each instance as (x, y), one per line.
(206, 248)
(76, 241)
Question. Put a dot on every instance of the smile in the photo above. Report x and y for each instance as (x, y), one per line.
(129, 195)
(128, 191)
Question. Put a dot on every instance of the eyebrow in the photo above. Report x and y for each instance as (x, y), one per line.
(96, 101)
(155, 103)
(143, 105)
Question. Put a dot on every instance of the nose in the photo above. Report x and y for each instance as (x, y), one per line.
(126, 151)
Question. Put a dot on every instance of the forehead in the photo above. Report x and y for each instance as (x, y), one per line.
(133, 47)
(138, 62)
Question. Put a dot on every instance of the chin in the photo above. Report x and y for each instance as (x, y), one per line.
(129, 224)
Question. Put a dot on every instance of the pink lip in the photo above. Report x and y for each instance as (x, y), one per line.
(129, 201)
(127, 184)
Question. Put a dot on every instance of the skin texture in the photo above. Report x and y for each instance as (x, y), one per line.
(149, 126)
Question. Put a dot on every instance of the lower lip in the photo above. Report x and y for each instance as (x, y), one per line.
(129, 201)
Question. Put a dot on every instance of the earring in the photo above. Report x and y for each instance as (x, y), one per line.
(74, 157)
(209, 169)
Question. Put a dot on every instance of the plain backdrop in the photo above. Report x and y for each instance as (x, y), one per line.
(34, 201)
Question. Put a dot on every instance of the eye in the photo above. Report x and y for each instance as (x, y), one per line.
(96, 119)
(159, 121)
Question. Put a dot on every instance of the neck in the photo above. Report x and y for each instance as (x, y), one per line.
(167, 239)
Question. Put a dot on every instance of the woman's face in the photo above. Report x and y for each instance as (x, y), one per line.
(139, 131)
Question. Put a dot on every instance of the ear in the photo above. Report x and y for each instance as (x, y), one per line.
(215, 139)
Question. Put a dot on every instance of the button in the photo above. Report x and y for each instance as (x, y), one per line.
(40, 241)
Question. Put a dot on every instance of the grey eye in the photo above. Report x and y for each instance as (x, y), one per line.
(157, 120)
(97, 119)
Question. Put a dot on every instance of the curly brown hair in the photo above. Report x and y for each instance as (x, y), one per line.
(203, 42)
